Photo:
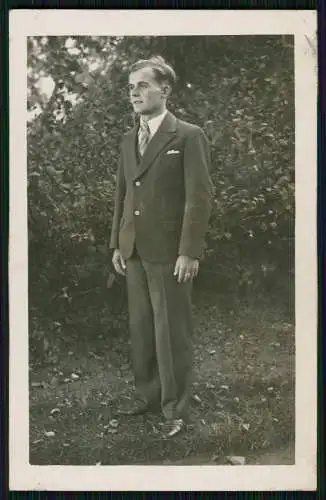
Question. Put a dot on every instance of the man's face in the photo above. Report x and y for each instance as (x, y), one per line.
(146, 94)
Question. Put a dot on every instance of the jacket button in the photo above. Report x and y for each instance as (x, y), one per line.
(137, 183)
(137, 212)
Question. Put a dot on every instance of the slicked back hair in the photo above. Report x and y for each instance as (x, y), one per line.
(163, 72)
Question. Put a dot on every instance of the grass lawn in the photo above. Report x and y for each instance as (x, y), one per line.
(243, 394)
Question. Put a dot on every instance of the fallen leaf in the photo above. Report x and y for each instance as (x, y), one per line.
(70, 353)
(38, 441)
(225, 387)
(112, 431)
(66, 445)
(55, 410)
(114, 423)
(91, 353)
(212, 352)
(270, 389)
(49, 434)
(237, 400)
(235, 460)
(241, 337)
(245, 427)
(67, 380)
(74, 376)
(197, 398)
(36, 384)
(203, 421)
(210, 386)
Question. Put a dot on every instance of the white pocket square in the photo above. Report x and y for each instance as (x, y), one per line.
(173, 152)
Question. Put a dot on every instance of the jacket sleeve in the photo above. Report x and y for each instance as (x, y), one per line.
(118, 206)
(198, 194)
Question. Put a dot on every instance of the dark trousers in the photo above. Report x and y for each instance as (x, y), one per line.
(161, 330)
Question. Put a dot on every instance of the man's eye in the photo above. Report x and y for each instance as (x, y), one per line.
(142, 85)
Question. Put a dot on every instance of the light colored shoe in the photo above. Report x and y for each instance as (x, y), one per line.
(173, 427)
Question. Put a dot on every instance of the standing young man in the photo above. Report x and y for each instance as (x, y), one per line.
(162, 208)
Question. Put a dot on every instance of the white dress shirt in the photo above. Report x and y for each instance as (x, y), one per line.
(154, 123)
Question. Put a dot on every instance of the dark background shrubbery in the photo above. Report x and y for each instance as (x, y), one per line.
(240, 89)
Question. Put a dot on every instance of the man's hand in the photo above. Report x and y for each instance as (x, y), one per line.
(119, 262)
(186, 268)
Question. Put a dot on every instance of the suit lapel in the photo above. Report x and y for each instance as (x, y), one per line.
(163, 136)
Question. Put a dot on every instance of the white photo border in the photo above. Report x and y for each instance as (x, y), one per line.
(301, 476)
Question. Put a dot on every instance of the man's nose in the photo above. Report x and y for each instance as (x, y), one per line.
(135, 93)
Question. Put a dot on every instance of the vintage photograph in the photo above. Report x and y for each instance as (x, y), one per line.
(163, 307)
(161, 188)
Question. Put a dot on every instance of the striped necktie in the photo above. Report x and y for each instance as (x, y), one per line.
(143, 137)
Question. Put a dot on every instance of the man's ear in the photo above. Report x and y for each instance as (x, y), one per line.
(166, 89)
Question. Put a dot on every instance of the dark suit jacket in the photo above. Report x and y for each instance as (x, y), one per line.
(163, 203)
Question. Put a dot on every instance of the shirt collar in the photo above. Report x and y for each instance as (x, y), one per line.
(154, 123)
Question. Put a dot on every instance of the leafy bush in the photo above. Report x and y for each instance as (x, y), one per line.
(241, 92)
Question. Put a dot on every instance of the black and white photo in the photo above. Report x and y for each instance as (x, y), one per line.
(162, 186)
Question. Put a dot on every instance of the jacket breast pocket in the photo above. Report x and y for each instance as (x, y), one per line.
(171, 161)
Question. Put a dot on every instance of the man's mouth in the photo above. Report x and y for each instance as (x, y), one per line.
(138, 102)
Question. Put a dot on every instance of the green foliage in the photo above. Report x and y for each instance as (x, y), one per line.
(239, 89)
